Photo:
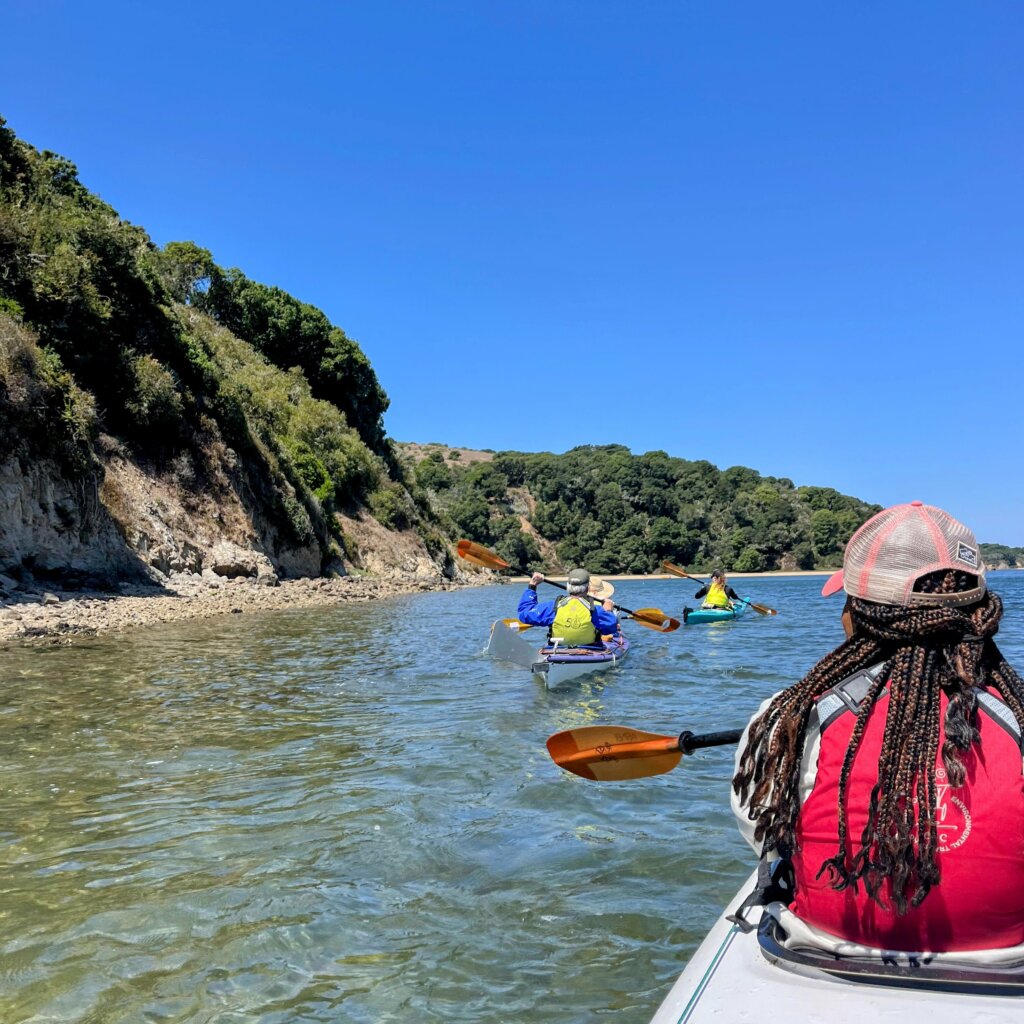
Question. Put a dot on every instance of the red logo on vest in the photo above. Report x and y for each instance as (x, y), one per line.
(952, 819)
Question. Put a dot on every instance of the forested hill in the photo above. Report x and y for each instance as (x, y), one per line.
(617, 512)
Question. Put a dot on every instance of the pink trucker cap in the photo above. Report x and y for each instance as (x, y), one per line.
(887, 555)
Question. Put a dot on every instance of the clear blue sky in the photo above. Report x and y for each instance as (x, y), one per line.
(782, 235)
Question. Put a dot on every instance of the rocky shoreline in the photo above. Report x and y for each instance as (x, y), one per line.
(33, 613)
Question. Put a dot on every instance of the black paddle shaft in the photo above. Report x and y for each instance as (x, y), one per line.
(562, 586)
(688, 742)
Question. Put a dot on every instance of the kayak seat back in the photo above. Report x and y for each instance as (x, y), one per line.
(965, 973)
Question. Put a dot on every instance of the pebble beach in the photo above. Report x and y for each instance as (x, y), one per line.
(38, 613)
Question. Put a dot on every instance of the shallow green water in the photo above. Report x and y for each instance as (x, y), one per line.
(349, 815)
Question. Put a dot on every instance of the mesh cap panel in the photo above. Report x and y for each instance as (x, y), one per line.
(887, 555)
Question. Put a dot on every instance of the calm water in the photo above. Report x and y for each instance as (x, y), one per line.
(349, 815)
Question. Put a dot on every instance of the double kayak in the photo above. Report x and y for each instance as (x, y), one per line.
(555, 664)
(769, 973)
(692, 616)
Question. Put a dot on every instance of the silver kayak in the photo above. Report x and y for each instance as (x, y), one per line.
(554, 665)
(747, 977)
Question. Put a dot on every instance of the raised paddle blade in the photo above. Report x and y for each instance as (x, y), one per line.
(673, 570)
(610, 753)
(654, 618)
(517, 625)
(479, 555)
(677, 570)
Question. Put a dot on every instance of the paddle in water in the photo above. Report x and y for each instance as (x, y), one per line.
(611, 753)
(675, 570)
(651, 618)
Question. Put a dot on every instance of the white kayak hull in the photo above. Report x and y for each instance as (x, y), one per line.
(510, 644)
(729, 979)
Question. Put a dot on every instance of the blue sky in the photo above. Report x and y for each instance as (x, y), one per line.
(786, 235)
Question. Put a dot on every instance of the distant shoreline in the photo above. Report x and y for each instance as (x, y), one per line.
(668, 576)
(776, 573)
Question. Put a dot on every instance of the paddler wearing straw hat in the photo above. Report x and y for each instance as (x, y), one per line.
(581, 616)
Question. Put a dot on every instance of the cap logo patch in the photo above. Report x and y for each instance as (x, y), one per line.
(967, 555)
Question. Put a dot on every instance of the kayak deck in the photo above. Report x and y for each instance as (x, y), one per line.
(730, 979)
(554, 664)
(691, 616)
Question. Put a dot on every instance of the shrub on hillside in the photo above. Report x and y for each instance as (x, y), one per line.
(42, 409)
(392, 507)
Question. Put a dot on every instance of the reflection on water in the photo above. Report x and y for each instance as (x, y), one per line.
(350, 815)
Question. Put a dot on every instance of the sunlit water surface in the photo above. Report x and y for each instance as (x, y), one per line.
(350, 815)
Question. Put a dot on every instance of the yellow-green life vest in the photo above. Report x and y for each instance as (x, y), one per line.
(716, 596)
(572, 622)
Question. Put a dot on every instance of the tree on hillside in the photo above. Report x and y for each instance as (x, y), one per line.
(293, 333)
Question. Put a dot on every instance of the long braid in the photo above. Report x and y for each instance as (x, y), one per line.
(776, 763)
(927, 650)
(836, 867)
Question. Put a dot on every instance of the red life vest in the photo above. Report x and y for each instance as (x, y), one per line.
(979, 901)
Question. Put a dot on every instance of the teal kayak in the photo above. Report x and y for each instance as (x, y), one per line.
(695, 615)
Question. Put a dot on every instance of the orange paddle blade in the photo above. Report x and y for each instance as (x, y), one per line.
(762, 609)
(655, 618)
(517, 625)
(610, 753)
(479, 555)
(677, 570)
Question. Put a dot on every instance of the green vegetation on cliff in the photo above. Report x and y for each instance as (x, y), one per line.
(619, 512)
(179, 360)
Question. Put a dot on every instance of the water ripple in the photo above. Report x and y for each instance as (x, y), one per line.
(303, 817)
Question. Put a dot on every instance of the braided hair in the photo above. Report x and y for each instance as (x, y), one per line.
(926, 650)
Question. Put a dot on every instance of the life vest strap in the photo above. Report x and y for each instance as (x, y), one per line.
(776, 883)
(1001, 714)
(848, 695)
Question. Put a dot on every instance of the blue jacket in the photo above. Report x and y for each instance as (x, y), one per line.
(534, 614)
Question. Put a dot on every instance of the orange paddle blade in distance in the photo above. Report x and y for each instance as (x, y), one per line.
(479, 555)
(610, 753)
(677, 570)
(655, 618)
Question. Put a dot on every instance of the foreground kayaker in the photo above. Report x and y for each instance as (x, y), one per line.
(581, 616)
(890, 776)
(717, 593)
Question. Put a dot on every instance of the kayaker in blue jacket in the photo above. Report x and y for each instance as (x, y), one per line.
(581, 616)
